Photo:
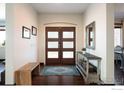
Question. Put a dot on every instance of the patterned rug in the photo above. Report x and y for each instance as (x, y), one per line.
(60, 70)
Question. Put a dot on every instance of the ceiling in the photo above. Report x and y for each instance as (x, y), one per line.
(119, 10)
(60, 7)
(72, 8)
(64, 8)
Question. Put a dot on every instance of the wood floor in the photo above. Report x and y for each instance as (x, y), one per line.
(119, 74)
(73, 80)
(57, 80)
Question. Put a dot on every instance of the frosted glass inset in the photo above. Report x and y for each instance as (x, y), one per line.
(53, 34)
(68, 34)
(68, 45)
(68, 54)
(53, 54)
(52, 44)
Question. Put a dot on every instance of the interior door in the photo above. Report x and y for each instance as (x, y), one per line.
(60, 45)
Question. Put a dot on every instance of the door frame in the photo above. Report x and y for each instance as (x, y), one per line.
(74, 40)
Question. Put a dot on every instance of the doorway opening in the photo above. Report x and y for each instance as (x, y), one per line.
(2, 54)
(118, 53)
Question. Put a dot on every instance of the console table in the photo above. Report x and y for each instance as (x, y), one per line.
(83, 65)
(23, 76)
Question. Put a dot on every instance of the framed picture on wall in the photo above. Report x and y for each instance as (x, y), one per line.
(26, 32)
(34, 31)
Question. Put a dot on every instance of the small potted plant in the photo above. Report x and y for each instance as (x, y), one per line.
(83, 50)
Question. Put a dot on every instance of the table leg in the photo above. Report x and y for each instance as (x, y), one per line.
(98, 68)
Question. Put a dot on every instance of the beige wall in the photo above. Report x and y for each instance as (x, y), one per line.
(19, 51)
(102, 14)
(74, 20)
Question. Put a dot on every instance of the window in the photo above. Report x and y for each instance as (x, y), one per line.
(2, 36)
(117, 37)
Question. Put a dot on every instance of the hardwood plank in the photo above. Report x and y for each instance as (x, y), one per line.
(58, 80)
(119, 74)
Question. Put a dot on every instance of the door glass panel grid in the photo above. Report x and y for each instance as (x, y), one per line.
(60, 45)
(68, 44)
(53, 34)
(68, 54)
(53, 54)
(53, 44)
(68, 34)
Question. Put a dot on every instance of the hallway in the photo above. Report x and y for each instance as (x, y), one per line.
(27, 40)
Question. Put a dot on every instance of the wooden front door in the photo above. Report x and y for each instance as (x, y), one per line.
(60, 45)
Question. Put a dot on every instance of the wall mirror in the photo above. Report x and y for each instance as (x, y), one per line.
(90, 36)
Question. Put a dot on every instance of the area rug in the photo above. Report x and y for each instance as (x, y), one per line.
(60, 70)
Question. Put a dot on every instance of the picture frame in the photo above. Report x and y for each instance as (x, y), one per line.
(34, 31)
(26, 32)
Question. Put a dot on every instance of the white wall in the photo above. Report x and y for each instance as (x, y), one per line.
(9, 44)
(102, 15)
(19, 51)
(74, 20)
(110, 43)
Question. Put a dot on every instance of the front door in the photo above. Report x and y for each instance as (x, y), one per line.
(60, 45)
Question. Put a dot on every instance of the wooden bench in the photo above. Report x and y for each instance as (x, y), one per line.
(23, 76)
